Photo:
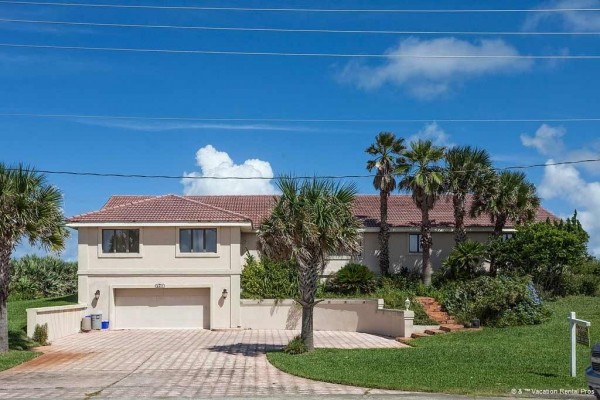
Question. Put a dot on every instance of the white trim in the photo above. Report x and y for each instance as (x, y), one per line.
(163, 272)
(158, 224)
(179, 254)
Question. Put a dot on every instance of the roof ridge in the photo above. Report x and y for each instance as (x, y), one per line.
(213, 207)
(119, 206)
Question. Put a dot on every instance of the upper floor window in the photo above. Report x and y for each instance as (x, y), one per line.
(197, 240)
(414, 243)
(507, 236)
(120, 240)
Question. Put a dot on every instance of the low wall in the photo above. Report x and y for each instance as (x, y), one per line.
(367, 316)
(61, 320)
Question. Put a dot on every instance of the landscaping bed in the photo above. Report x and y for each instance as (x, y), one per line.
(492, 361)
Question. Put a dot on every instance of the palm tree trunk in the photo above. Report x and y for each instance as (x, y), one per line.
(5, 252)
(460, 232)
(384, 234)
(309, 276)
(426, 243)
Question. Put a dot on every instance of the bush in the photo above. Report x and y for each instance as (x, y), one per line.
(580, 284)
(34, 277)
(295, 346)
(40, 334)
(464, 262)
(267, 279)
(352, 279)
(500, 302)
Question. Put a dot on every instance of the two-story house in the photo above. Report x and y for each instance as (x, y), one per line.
(175, 261)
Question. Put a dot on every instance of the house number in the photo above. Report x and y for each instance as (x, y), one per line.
(159, 286)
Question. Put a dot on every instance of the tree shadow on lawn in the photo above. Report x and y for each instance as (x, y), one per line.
(247, 349)
(18, 340)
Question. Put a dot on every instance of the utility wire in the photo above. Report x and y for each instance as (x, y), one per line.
(261, 29)
(306, 120)
(324, 55)
(143, 176)
(308, 10)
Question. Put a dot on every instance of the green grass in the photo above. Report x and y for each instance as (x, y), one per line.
(491, 361)
(18, 341)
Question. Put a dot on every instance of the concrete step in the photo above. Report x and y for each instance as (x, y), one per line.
(451, 327)
(434, 332)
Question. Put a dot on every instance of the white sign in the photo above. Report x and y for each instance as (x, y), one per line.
(576, 327)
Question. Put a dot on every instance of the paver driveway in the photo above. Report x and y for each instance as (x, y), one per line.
(172, 363)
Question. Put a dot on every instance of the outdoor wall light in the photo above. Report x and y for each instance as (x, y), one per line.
(407, 304)
(97, 294)
(225, 293)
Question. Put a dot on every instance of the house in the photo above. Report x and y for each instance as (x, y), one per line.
(175, 261)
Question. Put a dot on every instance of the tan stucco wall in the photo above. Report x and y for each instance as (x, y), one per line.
(160, 263)
(443, 242)
(61, 320)
(366, 316)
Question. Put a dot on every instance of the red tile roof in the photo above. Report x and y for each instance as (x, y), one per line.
(254, 208)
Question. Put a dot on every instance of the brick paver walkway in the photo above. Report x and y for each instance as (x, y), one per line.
(173, 363)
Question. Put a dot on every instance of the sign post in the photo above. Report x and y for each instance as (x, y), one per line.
(580, 333)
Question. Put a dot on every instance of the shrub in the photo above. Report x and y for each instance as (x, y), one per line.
(267, 279)
(35, 277)
(500, 302)
(464, 262)
(581, 284)
(295, 346)
(352, 279)
(40, 334)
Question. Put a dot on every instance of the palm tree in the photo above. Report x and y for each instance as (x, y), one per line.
(310, 220)
(509, 197)
(467, 171)
(29, 208)
(424, 179)
(387, 158)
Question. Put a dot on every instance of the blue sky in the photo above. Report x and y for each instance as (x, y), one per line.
(155, 85)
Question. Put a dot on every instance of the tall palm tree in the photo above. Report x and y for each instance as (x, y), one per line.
(510, 197)
(29, 208)
(424, 179)
(468, 170)
(387, 158)
(310, 220)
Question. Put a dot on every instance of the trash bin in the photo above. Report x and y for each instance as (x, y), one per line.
(86, 323)
(104, 324)
(97, 320)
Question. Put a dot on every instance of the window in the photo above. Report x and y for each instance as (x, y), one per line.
(198, 240)
(414, 243)
(120, 240)
(506, 236)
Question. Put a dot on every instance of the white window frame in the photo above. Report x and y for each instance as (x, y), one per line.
(180, 254)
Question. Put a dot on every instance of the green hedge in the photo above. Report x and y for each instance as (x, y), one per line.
(34, 277)
(267, 279)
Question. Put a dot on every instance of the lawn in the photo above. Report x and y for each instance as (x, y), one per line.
(17, 325)
(491, 361)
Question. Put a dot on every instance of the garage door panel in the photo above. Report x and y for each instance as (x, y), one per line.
(162, 308)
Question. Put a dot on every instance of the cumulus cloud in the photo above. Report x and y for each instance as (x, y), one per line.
(214, 163)
(433, 132)
(566, 183)
(580, 21)
(547, 140)
(427, 78)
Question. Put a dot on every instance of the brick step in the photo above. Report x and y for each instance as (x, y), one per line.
(434, 332)
(433, 308)
(404, 340)
(417, 335)
(452, 327)
(438, 315)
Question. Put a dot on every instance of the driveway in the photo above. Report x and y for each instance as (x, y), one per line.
(173, 363)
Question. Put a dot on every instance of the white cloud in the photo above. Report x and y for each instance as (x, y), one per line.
(547, 140)
(427, 78)
(580, 21)
(566, 183)
(166, 125)
(433, 132)
(214, 163)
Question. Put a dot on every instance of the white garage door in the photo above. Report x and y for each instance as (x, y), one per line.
(162, 308)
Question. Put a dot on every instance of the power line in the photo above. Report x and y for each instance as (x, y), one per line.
(143, 176)
(324, 55)
(261, 29)
(307, 10)
(305, 120)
